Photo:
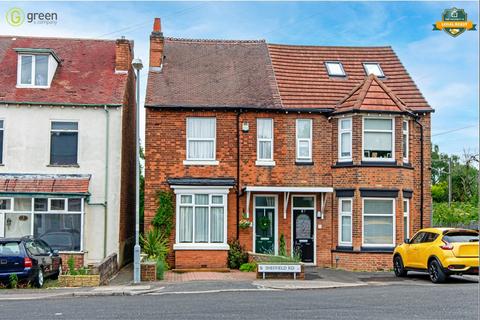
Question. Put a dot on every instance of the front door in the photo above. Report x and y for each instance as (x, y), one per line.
(303, 234)
(265, 224)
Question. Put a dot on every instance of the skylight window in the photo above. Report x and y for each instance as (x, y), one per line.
(335, 69)
(373, 68)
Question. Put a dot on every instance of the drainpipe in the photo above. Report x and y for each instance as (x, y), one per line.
(107, 147)
(238, 173)
(421, 170)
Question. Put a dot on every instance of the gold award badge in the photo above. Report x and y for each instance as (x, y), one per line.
(454, 22)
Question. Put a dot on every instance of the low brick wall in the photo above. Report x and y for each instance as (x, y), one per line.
(79, 281)
(197, 259)
(148, 271)
(77, 257)
(362, 261)
(106, 268)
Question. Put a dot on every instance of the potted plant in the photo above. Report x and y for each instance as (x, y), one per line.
(244, 223)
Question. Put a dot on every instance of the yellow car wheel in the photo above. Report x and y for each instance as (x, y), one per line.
(398, 267)
(435, 270)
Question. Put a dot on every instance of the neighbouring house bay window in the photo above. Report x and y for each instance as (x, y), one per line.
(33, 70)
(378, 139)
(201, 218)
(201, 136)
(378, 222)
(304, 139)
(405, 141)
(406, 219)
(64, 143)
(57, 221)
(264, 140)
(345, 221)
(345, 139)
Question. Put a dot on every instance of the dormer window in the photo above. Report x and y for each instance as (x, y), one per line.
(36, 67)
(373, 68)
(335, 69)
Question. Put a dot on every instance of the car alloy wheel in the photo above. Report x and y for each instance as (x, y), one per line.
(437, 275)
(398, 267)
(39, 281)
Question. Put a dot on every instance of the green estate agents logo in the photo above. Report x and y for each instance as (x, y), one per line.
(15, 17)
(454, 22)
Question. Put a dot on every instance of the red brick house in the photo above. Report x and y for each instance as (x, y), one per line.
(325, 147)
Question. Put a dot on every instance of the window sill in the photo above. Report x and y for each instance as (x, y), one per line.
(378, 249)
(201, 246)
(386, 162)
(304, 163)
(265, 163)
(344, 249)
(31, 86)
(64, 165)
(200, 162)
(71, 252)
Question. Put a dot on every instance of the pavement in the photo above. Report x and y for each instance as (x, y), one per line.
(234, 281)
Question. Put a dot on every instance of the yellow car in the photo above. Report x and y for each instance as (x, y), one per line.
(439, 251)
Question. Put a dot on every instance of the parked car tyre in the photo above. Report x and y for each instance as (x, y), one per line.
(398, 267)
(435, 270)
(58, 273)
(39, 279)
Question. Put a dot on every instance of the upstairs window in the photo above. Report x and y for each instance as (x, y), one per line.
(345, 139)
(405, 140)
(33, 70)
(64, 143)
(304, 140)
(264, 141)
(335, 69)
(201, 136)
(373, 68)
(378, 139)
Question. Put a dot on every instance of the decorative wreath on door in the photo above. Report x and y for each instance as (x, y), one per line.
(264, 223)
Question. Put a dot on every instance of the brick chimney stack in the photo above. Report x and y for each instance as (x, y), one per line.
(123, 54)
(156, 46)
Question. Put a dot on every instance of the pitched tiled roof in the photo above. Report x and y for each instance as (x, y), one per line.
(44, 184)
(371, 95)
(86, 74)
(303, 81)
(213, 73)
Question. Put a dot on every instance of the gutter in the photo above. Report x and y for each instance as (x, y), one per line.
(107, 147)
(421, 171)
(59, 104)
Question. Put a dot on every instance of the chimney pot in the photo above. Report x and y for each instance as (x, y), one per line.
(157, 26)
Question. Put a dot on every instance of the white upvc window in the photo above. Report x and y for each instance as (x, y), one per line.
(201, 140)
(406, 218)
(373, 68)
(201, 217)
(405, 138)
(378, 139)
(265, 142)
(378, 222)
(345, 221)
(304, 139)
(345, 139)
(32, 70)
(335, 69)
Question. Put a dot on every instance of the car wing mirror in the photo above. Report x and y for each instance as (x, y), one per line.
(55, 252)
(407, 241)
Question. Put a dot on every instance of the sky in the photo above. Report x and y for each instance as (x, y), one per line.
(444, 68)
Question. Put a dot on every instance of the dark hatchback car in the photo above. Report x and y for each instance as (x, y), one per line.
(30, 259)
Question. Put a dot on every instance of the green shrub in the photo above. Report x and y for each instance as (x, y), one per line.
(13, 281)
(237, 254)
(154, 244)
(282, 251)
(162, 266)
(248, 267)
(163, 219)
(458, 213)
(71, 266)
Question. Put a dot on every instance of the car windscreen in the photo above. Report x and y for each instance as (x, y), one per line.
(461, 236)
(9, 249)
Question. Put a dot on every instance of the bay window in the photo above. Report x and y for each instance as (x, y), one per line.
(345, 139)
(201, 139)
(378, 139)
(345, 221)
(265, 142)
(405, 141)
(378, 222)
(202, 219)
(304, 139)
